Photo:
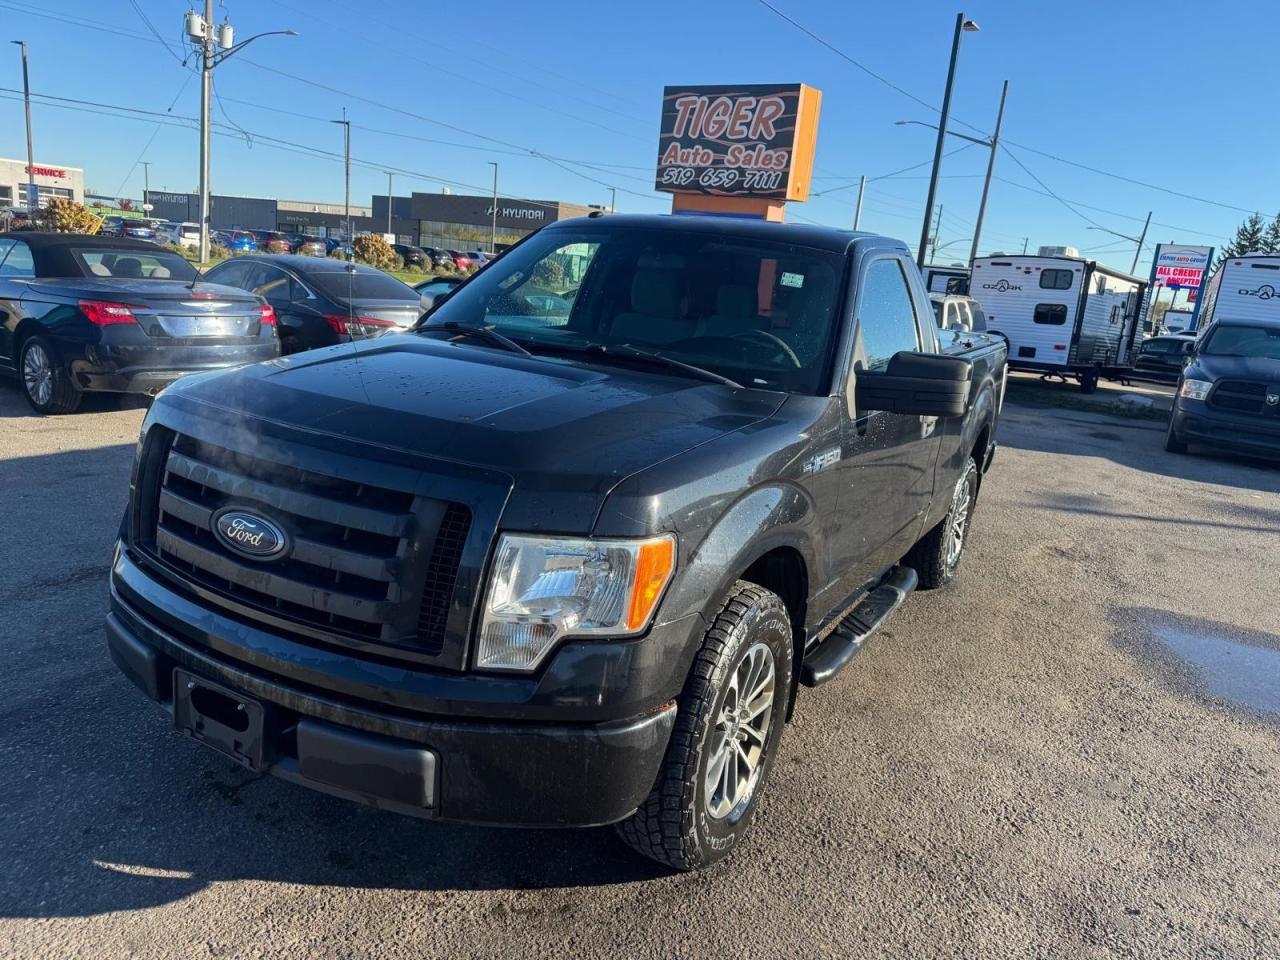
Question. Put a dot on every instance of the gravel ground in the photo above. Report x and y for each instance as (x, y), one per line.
(1018, 766)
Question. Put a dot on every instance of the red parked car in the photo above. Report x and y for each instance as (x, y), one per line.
(461, 259)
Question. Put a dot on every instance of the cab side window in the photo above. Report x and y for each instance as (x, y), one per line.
(886, 315)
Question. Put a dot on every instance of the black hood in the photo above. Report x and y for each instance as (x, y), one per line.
(1209, 367)
(559, 429)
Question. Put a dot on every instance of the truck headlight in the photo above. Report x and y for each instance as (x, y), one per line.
(1195, 389)
(544, 588)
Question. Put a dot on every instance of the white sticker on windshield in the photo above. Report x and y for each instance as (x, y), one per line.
(792, 280)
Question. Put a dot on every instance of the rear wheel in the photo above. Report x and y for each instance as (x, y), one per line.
(936, 557)
(45, 381)
(729, 719)
(1089, 382)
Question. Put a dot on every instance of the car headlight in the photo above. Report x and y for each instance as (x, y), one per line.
(542, 589)
(1195, 389)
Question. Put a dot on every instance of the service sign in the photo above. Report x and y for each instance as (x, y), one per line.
(750, 140)
(1180, 266)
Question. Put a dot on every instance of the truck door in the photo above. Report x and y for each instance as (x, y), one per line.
(887, 459)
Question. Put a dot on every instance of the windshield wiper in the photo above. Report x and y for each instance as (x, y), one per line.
(483, 333)
(625, 350)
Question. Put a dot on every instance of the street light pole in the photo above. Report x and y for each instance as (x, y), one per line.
(389, 176)
(613, 199)
(857, 210)
(493, 228)
(146, 183)
(962, 26)
(346, 160)
(986, 184)
(33, 198)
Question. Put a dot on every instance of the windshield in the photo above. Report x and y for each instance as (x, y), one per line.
(362, 286)
(1237, 340)
(757, 312)
(133, 264)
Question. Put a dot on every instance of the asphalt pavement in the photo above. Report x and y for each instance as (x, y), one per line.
(1074, 752)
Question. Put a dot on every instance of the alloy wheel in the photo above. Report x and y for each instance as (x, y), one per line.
(958, 524)
(37, 374)
(740, 735)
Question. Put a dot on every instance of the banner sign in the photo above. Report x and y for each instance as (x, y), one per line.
(1180, 266)
(750, 140)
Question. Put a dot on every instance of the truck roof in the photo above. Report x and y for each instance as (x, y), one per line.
(802, 234)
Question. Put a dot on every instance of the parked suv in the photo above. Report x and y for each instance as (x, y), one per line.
(561, 563)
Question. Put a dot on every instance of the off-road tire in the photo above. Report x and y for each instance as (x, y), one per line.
(673, 825)
(64, 396)
(930, 557)
(1172, 442)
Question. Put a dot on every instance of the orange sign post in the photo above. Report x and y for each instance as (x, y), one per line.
(742, 150)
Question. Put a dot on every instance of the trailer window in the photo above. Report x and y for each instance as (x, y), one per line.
(1054, 314)
(1055, 280)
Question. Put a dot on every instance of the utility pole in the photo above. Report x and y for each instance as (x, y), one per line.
(986, 184)
(962, 26)
(613, 199)
(201, 32)
(33, 196)
(146, 184)
(937, 232)
(346, 160)
(857, 210)
(1142, 238)
(1024, 245)
(493, 229)
(389, 176)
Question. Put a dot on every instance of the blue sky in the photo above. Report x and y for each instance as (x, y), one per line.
(1175, 94)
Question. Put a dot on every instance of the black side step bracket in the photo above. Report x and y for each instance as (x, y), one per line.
(834, 653)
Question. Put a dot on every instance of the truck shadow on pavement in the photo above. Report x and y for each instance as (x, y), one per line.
(1137, 444)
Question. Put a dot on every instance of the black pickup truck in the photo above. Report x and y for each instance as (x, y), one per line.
(563, 553)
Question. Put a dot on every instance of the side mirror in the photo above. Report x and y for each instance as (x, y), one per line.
(923, 384)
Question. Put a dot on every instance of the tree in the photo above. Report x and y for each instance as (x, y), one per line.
(67, 216)
(1271, 239)
(1250, 236)
(370, 248)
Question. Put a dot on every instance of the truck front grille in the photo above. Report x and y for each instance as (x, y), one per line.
(1240, 396)
(366, 563)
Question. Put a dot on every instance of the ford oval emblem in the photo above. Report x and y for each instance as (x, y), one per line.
(249, 534)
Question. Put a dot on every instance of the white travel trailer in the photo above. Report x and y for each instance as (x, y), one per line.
(1064, 315)
(940, 279)
(1244, 288)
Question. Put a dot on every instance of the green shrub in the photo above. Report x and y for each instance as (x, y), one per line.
(66, 216)
(370, 248)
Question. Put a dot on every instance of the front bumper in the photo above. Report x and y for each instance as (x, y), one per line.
(483, 770)
(1194, 421)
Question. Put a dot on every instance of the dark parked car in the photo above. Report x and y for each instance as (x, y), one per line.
(509, 571)
(135, 229)
(82, 313)
(311, 247)
(439, 258)
(320, 302)
(412, 256)
(271, 241)
(1229, 391)
(1161, 358)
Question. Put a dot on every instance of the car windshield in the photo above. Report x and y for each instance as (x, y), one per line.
(133, 264)
(756, 312)
(359, 285)
(1238, 340)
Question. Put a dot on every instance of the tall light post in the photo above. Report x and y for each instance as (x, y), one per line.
(346, 160)
(493, 229)
(33, 198)
(202, 33)
(992, 144)
(613, 199)
(389, 176)
(962, 26)
(146, 184)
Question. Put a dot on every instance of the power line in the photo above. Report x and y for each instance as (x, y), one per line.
(1085, 217)
(892, 174)
(137, 8)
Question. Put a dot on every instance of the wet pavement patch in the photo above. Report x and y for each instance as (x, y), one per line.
(1232, 666)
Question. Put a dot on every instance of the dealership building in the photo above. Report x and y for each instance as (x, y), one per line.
(51, 179)
(448, 220)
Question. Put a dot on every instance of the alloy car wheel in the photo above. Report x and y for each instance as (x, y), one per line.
(37, 374)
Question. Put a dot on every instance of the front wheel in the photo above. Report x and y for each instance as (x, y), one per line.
(45, 381)
(1089, 382)
(728, 722)
(1172, 442)
(936, 557)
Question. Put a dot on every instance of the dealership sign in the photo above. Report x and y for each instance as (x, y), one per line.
(46, 172)
(1180, 266)
(750, 140)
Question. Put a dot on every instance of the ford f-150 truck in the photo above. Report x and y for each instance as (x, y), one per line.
(563, 553)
